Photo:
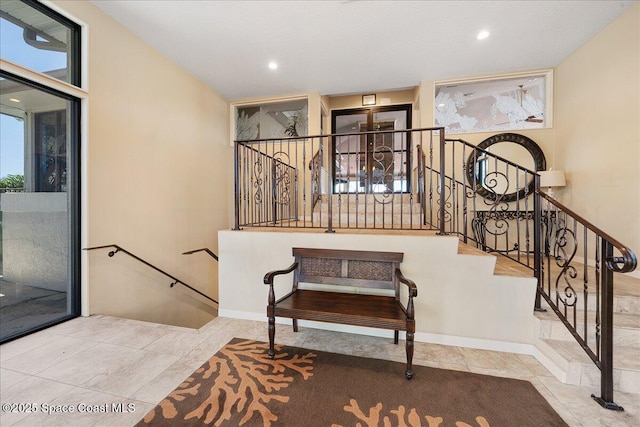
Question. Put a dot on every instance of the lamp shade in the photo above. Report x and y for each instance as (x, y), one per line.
(552, 178)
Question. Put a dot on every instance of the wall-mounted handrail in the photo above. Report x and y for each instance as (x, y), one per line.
(175, 279)
(207, 250)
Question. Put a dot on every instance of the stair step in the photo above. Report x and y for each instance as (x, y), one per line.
(580, 370)
(370, 201)
(621, 303)
(626, 328)
(405, 220)
(369, 208)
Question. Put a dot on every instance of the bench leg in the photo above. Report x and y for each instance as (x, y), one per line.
(295, 325)
(272, 335)
(409, 372)
(395, 336)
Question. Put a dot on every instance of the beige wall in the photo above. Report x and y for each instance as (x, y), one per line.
(355, 101)
(598, 128)
(595, 138)
(157, 162)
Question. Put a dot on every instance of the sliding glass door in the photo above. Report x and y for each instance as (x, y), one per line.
(39, 170)
(38, 207)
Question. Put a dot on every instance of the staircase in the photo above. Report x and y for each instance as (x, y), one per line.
(558, 344)
(572, 365)
(503, 209)
(570, 362)
(392, 211)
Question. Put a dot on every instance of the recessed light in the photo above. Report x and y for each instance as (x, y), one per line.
(14, 99)
(273, 65)
(482, 35)
(441, 105)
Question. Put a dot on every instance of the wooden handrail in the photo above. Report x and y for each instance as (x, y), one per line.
(628, 260)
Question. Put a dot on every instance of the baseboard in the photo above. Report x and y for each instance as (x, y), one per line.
(450, 340)
(550, 365)
(477, 343)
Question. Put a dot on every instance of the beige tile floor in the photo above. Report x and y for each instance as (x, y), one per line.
(98, 363)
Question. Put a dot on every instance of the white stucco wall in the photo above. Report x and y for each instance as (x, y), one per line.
(459, 300)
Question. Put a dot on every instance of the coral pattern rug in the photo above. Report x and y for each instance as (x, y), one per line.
(241, 386)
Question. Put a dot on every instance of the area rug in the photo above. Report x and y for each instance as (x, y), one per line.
(241, 386)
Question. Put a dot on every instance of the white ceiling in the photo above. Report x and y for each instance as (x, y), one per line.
(340, 47)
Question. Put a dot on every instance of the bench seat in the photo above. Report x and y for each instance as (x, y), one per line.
(359, 271)
(338, 307)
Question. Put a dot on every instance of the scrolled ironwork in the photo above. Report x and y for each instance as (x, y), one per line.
(257, 181)
(282, 178)
(623, 264)
(383, 176)
(445, 209)
(564, 252)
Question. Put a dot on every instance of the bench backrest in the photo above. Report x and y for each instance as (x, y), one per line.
(362, 269)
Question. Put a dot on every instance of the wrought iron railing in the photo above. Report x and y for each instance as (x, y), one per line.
(457, 188)
(266, 181)
(575, 262)
(349, 180)
(316, 167)
(176, 281)
(489, 200)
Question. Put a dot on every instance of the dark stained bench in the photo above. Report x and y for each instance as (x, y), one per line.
(356, 269)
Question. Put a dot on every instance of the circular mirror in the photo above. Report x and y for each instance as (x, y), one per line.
(509, 180)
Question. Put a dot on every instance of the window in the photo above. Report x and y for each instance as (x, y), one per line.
(39, 171)
(507, 103)
(35, 37)
(272, 120)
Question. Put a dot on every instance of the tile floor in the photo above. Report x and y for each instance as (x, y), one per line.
(100, 363)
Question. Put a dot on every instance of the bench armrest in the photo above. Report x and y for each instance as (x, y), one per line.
(413, 292)
(268, 278)
(413, 289)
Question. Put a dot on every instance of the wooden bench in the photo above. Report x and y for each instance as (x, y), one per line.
(350, 270)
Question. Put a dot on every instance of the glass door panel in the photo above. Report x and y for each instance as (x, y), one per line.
(38, 214)
(372, 162)
(350, 154)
